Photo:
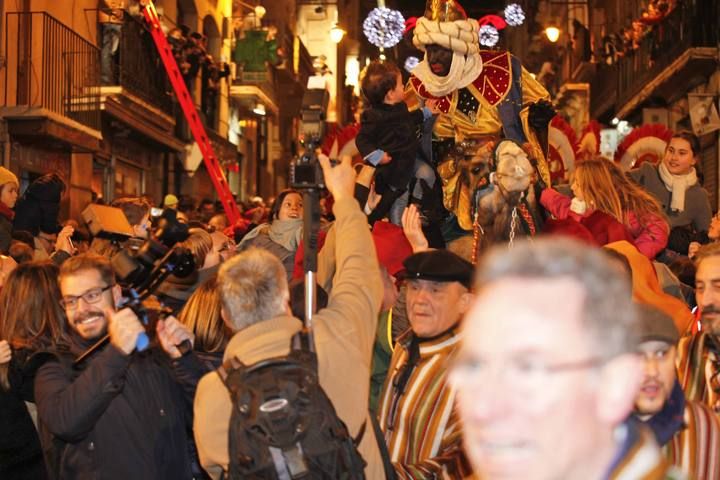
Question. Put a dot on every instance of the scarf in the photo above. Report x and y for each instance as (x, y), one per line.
(668, 421)
(6, 212)
(286, 233)
(678, 185)
(463, 71)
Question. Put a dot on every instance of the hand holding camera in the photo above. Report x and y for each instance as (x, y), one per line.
(172, 334)
(124, 327)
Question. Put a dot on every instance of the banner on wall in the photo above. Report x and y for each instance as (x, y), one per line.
(703, 113)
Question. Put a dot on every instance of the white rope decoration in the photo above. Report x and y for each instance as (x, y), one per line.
(460, 36)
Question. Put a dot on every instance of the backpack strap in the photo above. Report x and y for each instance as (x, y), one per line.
(382, 446)
(228, 366)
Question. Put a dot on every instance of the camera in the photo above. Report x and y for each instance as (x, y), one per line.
(305, 171)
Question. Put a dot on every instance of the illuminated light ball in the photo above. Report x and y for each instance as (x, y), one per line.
(384, 27)
(514, 15)
(411, 63)
(489, 36)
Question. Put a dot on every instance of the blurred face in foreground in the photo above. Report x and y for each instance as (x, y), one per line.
(533, 391)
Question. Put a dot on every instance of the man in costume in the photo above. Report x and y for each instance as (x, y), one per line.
(483, 95)
(688, 431)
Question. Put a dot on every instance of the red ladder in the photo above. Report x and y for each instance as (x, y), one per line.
(188, 106)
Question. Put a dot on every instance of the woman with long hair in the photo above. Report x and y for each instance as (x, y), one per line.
(600, 185)
(31, 320)
(201, 314)
(282, 235)
(674, 183)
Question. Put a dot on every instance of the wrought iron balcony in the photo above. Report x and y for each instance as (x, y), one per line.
(50, 68)
(141, 71)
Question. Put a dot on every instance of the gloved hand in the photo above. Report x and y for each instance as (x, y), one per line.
(541, 112)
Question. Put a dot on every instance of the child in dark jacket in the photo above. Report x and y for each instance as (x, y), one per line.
(388, 139)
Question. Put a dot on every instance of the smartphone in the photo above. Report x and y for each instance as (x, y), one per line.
(156, 212)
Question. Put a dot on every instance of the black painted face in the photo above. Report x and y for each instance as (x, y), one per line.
(439, 59)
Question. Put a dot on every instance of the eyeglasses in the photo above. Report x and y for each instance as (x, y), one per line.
(522, 374)
(90, 297)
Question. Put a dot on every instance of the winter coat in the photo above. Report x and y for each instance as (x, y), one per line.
(20, 452)
(6, 229)
(697, 213)
(344, 334)
(39, 207)
(114, 417)
(392, 129)
(649, 234)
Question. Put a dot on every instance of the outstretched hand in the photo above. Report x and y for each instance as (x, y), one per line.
(412, 227)
(340, 179)
(433, 106)
(63, 241)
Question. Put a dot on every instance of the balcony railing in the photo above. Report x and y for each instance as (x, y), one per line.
(51, 67)
(683, 28)
(265, 80)
(141, 70)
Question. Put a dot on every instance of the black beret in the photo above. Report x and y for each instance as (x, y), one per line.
(439, 266)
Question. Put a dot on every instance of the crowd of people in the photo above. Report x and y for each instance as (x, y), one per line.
(611, 372)
(572, 354)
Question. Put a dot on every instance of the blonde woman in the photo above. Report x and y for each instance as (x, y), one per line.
(600, 185)
(201, 314)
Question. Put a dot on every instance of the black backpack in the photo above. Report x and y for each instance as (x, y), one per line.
(283, 425)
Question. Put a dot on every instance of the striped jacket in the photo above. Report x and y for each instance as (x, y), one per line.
(641, 459)
(698, 367)
(420, 422)
(695, 449)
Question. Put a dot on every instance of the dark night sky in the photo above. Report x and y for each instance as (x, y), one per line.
(416, 8)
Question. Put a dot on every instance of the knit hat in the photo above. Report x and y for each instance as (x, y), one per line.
(391, 245)
(657, 325)
(439, 266)
(6, 176)
(170, 200)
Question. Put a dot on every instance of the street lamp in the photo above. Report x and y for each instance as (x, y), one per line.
(258, 9)
(552, 33)
(336, 34)
(259, 109)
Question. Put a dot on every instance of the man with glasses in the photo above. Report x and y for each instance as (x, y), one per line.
(547, 371)
(416, 414)
(118, 414)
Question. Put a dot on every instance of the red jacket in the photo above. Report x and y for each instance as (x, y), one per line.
(650, 236)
